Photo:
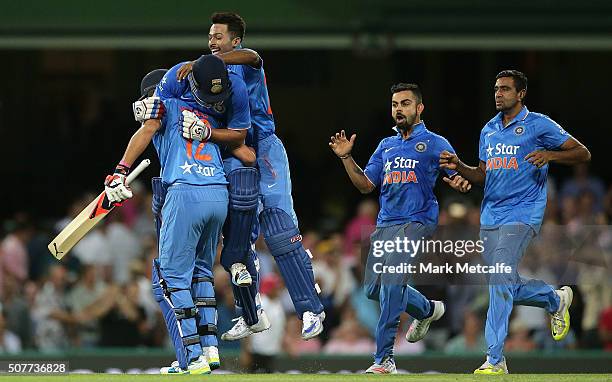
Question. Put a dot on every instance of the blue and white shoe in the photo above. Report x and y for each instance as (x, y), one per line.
(312, 325)
(240, 275)
(199, 366)
(241, 330)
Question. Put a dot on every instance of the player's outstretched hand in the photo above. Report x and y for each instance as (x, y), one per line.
(539, 158)
(448, 160)
(341, 146)
(115, 187)
(184, 70)
(458, 183)
(148, 108)
(194, 128)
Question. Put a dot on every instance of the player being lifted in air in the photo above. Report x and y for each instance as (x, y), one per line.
(277, 219)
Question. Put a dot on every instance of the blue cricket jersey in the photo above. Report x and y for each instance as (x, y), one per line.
(234, 114)
(183, 160)
(515, 190)
(406, 172)
(259, 102)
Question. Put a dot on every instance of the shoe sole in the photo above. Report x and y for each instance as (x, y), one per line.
(431, 319)
(227, 338)
(566, 315)
(488, 372)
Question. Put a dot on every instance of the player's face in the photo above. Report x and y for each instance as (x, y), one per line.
(404, 108)
(506, 96)
(220, 40)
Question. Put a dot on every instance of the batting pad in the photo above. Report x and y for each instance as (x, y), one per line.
(179, 314)
(241, 219)
(203, 293)
(285, 243)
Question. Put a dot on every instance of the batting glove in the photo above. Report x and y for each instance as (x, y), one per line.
(148, 108)
(194, 128)
(115, 187)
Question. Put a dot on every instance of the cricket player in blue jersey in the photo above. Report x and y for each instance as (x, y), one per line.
(515, 149)
(277, 219)
(405, 167)
(195, 205)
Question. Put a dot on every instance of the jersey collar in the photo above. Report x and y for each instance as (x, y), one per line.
(519, 117)
(418, 129)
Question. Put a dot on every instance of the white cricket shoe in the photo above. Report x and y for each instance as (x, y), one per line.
(212, 357)
(418, 329)
(240, 275)
(241, 329)
(198, 366)
(312, 324)
(560, 320)
(386, 367)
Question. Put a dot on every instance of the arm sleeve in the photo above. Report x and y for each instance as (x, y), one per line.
(482, 150)
(444, 144)
(551, 134)
(169, 86)
(374, 169)
(239, 116)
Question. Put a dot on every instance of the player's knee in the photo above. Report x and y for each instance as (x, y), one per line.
(243, 188)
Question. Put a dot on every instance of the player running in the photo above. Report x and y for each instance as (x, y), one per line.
(405, 167)
(277, 219)
(195, 206)
(514, 151)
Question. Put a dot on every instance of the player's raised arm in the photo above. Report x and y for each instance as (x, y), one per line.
(342, 147)
(242, 56)
(115, 185)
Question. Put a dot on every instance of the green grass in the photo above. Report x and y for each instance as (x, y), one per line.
(314, 378)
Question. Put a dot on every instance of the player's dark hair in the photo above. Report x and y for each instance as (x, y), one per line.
(414, 88)
(520, 80)
(235, 24)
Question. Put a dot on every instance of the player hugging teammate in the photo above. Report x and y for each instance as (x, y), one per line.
(199, 117)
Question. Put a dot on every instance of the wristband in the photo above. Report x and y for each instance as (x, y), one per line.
(345, 156)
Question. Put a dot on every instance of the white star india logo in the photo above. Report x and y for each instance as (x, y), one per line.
(489, 151)
(187, 168)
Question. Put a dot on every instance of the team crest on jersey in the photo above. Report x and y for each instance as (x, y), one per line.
(420, 147)
(519, 130)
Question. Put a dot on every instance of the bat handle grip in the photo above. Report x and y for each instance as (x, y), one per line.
(140, 168)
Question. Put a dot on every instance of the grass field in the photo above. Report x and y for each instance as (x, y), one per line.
(313, 378)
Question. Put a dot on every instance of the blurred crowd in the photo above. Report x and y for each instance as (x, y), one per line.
(100, 294)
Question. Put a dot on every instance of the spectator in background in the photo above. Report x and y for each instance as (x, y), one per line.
(583, 182)
(86, 291)
(50, 314)
(13, 249)
(349, 337)
(16, 311)
(359, 229)
(519, 339)
(471, 338)
(605, 329)
(267, 345)
(9, 342)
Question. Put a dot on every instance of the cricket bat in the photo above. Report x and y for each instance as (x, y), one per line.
(87, 219)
